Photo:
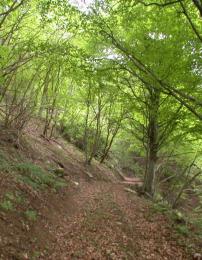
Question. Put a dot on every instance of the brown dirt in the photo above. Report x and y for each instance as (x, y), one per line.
(110, 224)
(91, 218)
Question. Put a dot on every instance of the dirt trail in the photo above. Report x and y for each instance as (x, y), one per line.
(91, 218)
(108, 223)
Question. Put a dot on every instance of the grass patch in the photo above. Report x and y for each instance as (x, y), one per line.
(182, 230)
(10, 199)
(197, 224)
(180, 223)
(7, 205)
(5, 165)
(160, 207)
(31, 215)
(10, 196)
(31, 174)
(37, 178)
(36, 255)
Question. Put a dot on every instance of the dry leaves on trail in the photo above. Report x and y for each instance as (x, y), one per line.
(110, 225)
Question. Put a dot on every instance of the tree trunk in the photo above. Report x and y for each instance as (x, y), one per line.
(86, 124)
(109, 144)
(44, 93)
(150, 175)
(152, 157)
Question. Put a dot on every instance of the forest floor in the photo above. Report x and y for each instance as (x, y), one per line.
(92, 217)
(108, 223)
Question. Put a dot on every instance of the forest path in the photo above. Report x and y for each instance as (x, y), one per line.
(105, 222)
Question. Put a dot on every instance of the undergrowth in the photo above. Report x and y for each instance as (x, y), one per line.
(183, 225)
(5, 165)
(37, 178)
(31, 214)
(10, 200)
(7, 205)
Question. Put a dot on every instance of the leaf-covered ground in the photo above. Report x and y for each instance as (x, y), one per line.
(90, 218)
(111, 224)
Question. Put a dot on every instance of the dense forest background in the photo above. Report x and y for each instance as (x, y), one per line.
(100, 129)
(119, 79)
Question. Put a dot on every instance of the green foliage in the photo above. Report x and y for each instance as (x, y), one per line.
(7, 205)
(5, 164)
(20, 199)
(36, 255)
(124, 157)
(180, 224)
(37, 178)
(31, 214)
(74, 133)
(59, 184)
(182, 230)
(59, 172)
(177, 216)
(161, 207)
(11, 199)
(104, 73)
(10, 196)
(196, 223)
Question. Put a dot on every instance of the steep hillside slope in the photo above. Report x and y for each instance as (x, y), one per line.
(54, 207)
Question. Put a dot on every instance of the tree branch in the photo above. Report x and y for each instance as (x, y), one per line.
(12, 8)
(190, 22)
(198, 5)
(159, 4)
